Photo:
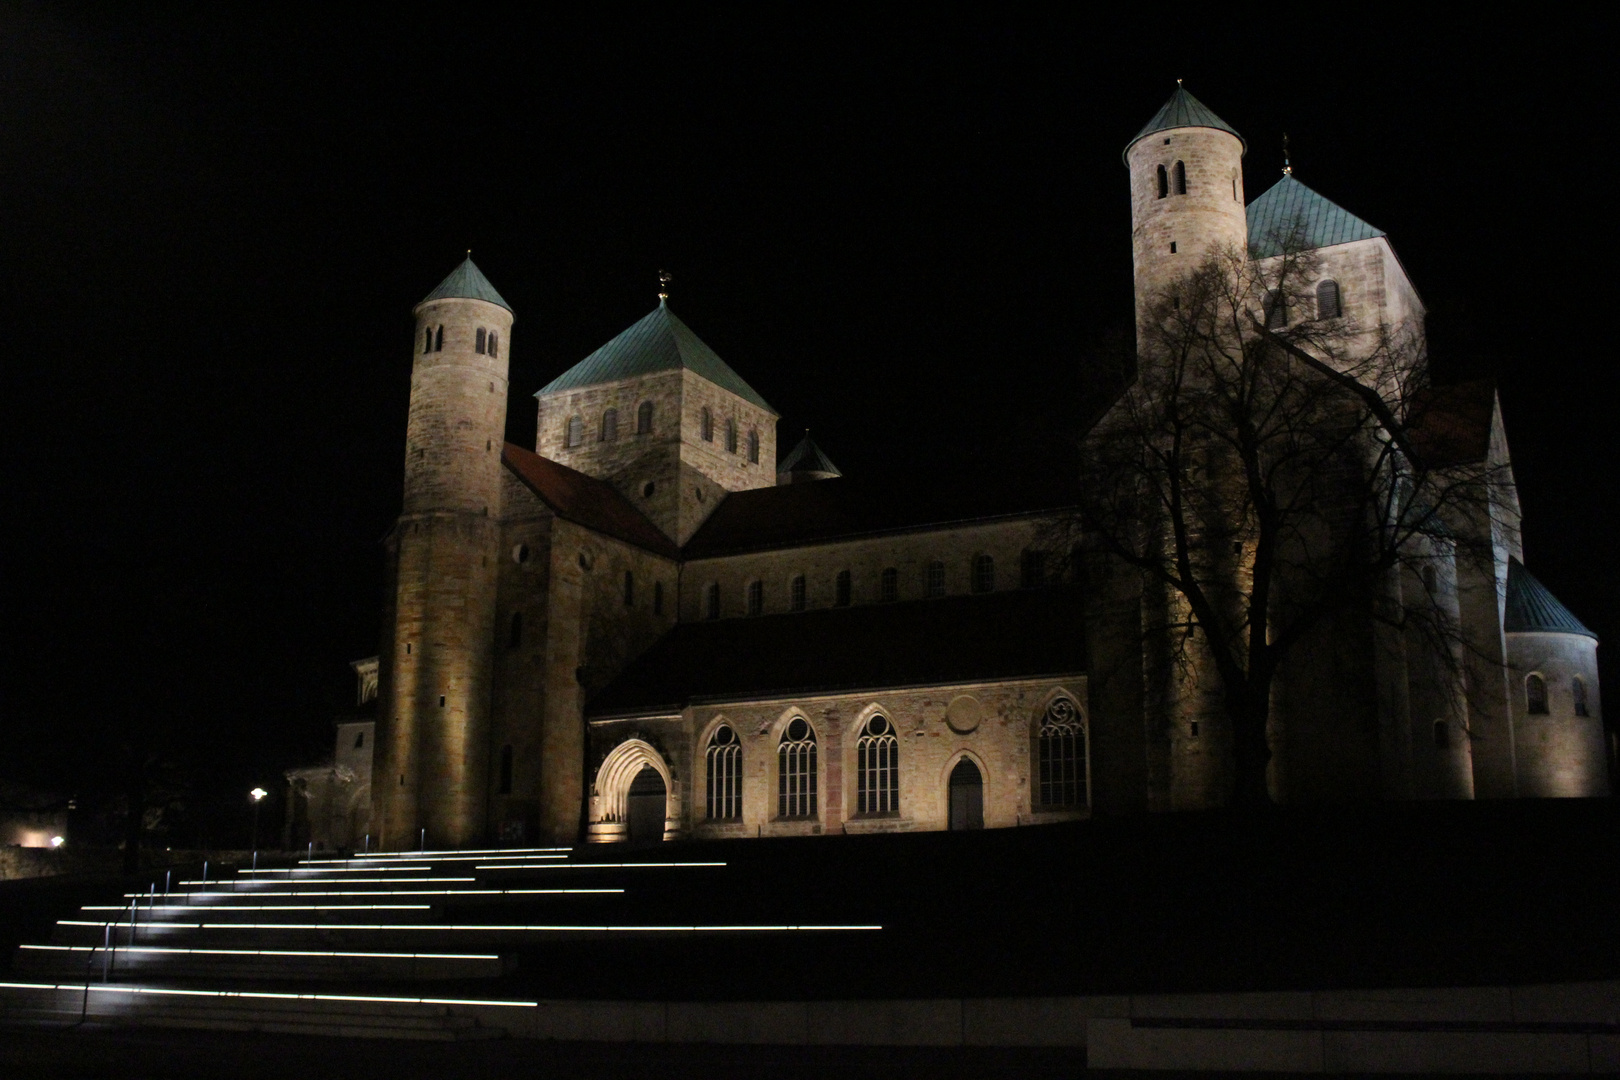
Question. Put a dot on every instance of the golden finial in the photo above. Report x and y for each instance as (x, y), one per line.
(664, 278)
(1288, 166)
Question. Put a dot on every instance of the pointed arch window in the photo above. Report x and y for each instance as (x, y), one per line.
(724, 758)
(1535, 695)
(753, 447)
(841, 589)
(1581, 707)
(1327, 300)
(796, 770)
(984, 574)
(711, 601)
(731, 436)
(478, 346)
(576, 432)
(610, 426)
(1062, 754)
(706, 425)
(644, 418)
(1164, 182)
(1181, 178)
(796, 593)
(877, 768)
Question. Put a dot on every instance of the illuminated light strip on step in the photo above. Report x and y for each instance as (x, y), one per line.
(270, 995)
(490, 855)
(270, 886)
(546, 929)
(268, 952)
(589, 866)
(417, 856)
(391, 892)
(339, 870)
(265, 907)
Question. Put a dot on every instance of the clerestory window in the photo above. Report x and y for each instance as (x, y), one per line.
(610, 426)
(1535, 695)
(753, 447)
(731, 436)
(706, 425)
(576, 432)
(644, 418)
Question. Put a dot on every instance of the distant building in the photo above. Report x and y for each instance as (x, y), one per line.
(329, 804)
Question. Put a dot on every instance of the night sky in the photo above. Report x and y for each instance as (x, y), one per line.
(907, 228)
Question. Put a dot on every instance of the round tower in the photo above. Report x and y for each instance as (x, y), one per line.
(1186, 168)
(434, 715)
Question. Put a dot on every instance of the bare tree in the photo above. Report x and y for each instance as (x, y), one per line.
(1263, 472)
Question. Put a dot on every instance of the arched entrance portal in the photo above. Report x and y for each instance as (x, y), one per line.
(646, 807)
(967, 796)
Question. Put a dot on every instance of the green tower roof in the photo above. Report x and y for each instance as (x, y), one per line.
(659, 342)
(808, 457)
(1184, 111)
(1532, 609)
(467, 282)
(1289, 204)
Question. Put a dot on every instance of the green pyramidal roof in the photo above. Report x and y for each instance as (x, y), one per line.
(808, 457)
(1184, 111)
(467, 282)
(1531, 608)
(1289, 205)
(659, 342)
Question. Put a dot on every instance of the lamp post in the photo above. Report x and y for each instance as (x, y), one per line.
(257, 795)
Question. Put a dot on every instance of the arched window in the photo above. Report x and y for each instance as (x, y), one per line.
(725, 775)
(984, 574)
(494, 342)
(658, 598)
(731, 436)
(576, 432)
(1032, 569)
(935, 585)
(478, 346)
(1062, 755)
(1430, 578)
(1181, 179)
(796, 770)
(506, 769)
(644, 418)
(1581, 708)
(438, 340)
(877, 768)
(753, 447)
(841, 589)
(1327, 300)
(1164, 182)
(515, 635)
(706, 425)
(796, 593)
(360, 739)
(629, 588)
(610, 425)
(427, 339)
(711, 601)
(1276, 310)
(1535, 695)
(889, 585)
(1442, 735)
(756, 598)
(1234, 189)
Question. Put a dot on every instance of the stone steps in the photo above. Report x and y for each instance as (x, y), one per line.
(142, 962)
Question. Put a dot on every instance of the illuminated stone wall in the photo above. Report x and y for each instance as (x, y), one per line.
(1557, 753)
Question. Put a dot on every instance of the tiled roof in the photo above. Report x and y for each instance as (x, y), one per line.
(1289, 207)
(1451, 425)
(467, 282)
(808, 457)
(659, 342)
(1183, 111)
(1531, 608)
(954, 639)
(595, 504)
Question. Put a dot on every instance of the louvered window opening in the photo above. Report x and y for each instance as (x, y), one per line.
(1327, 301)
(796, 771)
(1535, 695)
(724, 775)
(1062, 755)
(877, 765)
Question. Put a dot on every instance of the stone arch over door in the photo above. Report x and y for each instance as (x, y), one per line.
(610, 793)
(942, 785)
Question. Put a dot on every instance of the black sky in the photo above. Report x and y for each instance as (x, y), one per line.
(905, 227)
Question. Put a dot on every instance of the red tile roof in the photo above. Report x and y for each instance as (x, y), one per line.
(595, 504)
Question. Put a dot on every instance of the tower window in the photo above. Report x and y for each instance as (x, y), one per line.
(711, 601)
(796, 770)
(1276, 310)
(706, 425)
(494, 341)
(756, 598)
(984, 574)
(1430, 579)
(1181, 178)
(1164, 182)
(731, 436)
(506, 769)
(438, 340)
(796, 593)
(427, 339)
(841, 589)
(1032, 567)
(478, 346)
(576, 432)
(1581, 708)
(724, 759)
(889, 585)
(1442, 735)
(514, 637)
(1327, 301)
(1234, 189)
(935, 585)
(1173, 251)
(359, 740)
(1535, 695)
(644, 418)
(877, 768)
(629, 589)
(610, 425)
(753, 447)
(658, 598)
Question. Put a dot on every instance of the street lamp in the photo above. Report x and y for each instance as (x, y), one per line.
(257, 795)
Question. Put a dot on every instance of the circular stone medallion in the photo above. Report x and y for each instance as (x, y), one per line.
(963, 714)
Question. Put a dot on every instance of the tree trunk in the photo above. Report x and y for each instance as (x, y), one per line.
(1251, 751)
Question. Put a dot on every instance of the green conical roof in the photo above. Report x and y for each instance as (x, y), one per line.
(1289, 204)
(467, 282)
(1532, 609)
(659, 342)
(808, 457)
(1184, 111)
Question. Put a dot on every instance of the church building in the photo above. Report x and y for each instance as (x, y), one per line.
(652, 625)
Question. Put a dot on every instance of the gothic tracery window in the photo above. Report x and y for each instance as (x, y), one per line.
(877, 768)
(796, 770)
(1062, 756)
(724, 759)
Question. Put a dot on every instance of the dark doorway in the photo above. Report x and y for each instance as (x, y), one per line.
(967, 797)
(647, 807)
